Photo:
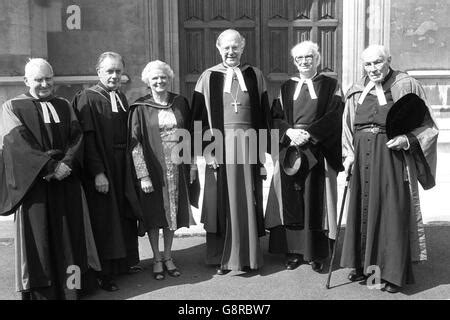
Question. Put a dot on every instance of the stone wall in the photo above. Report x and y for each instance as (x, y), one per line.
(420, 41)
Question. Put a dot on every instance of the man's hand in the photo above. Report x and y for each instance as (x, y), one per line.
(299, 137)
(146, 185)
(263, 172)
(398, 143)
(62, 171)
(212, 162)
(101, 183)
(348, 164)
(193, 174)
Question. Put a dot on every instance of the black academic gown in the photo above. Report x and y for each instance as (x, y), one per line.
(113, 215)
(144, 129)
(208, 110)
(53, 229)
(298, 217)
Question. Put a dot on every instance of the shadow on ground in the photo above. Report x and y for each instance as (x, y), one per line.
(430, 274)
(198, 280)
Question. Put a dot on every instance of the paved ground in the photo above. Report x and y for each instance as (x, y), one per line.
(272, 282)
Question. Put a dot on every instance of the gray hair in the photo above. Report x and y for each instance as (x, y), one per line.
(109, 54)
(382, 50)
(232, 31)
(36, 63)
(306, 45)
(156, 65)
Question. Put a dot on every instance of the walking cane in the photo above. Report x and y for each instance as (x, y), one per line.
(347, 180)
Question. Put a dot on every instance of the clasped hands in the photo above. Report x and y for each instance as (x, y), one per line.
(299, 137)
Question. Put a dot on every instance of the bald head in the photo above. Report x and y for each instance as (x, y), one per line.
(230, 34)
(36, 64)
(231, 44)
(39, 78)
(376, 50)
(376, 62)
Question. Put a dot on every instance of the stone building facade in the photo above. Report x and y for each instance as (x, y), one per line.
(72, 33)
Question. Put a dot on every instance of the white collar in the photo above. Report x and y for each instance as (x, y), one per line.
(378, 90)
(310, 85)
(114, 98)
(231, 71)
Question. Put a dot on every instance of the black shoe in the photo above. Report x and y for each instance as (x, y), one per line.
(107, 284)
(317, 266)
(391, 288)
(134, 269)
(222, 272)
(292, 264)
(356, 275)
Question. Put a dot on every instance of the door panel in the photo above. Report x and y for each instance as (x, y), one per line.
(201, 22)
(270, 27)
(285, 23)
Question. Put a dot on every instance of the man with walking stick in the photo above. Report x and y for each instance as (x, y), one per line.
(390, 139)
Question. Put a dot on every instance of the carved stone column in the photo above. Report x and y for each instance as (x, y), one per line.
(379, 22)
(353, 40)
(154, 30)
(171, 38)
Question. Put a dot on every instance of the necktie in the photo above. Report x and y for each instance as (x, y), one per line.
(114, 98)
(46, 107)
(378, 90)
(229, 79)
(310, 85)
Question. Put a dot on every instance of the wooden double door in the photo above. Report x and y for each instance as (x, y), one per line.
(271, 29)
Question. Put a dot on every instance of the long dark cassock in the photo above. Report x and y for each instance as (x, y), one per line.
(301, 209)
(53, 230)
(114, 215)
(384, 223)
(232, 210)
(168, 206)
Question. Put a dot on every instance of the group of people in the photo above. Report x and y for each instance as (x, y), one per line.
(85, 179)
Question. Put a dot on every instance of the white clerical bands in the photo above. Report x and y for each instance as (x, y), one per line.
(47, 109)
(114, 98)
(378, 90)
(229, 79)
(310, 85)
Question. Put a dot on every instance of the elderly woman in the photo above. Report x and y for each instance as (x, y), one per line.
(163, 182)
(301, 209)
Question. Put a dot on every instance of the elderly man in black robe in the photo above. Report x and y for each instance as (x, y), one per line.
(301, 208)
(384, 231)
(39, 169)
(103, 113)
(230, 98)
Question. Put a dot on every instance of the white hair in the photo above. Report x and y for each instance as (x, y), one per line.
(304, 45)
(156, 65)
(35, 63)
(382, 50)
(230, 31)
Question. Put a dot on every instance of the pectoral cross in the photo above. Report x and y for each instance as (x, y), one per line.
(235, 105)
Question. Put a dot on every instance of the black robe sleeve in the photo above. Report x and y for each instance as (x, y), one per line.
(22, 160)
(92, 159)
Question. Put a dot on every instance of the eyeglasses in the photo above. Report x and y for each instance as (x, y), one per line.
(307, 58)
(378, 64)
